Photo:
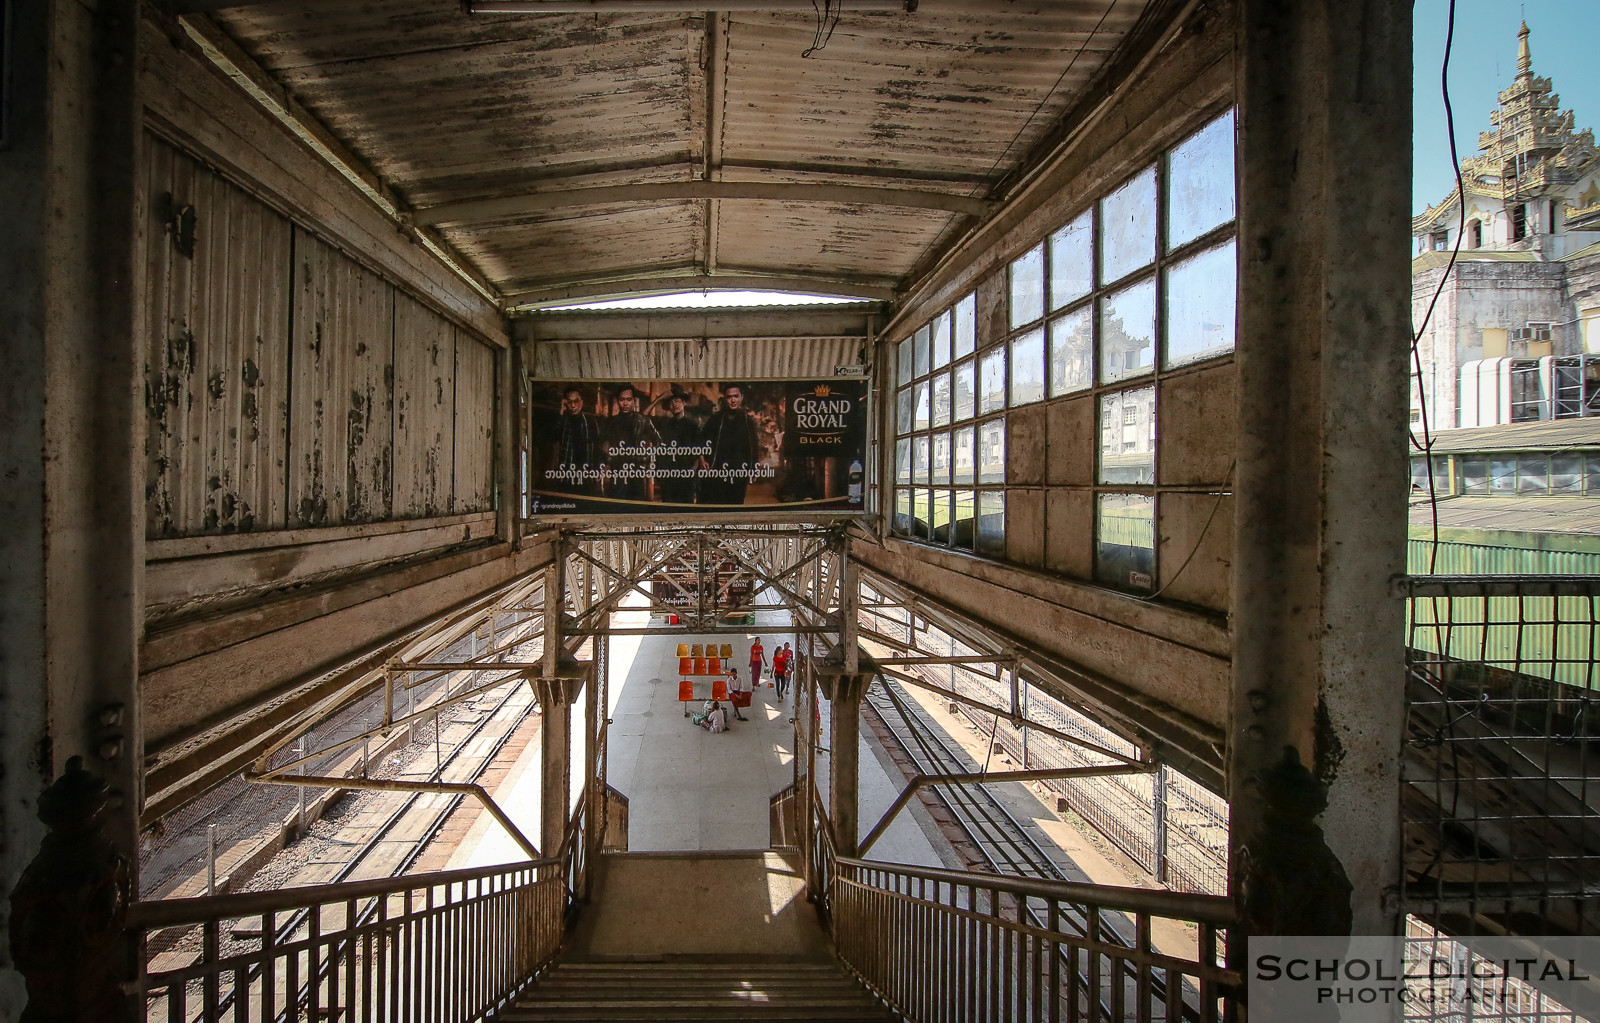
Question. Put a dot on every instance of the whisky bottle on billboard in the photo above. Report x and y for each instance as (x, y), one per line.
(856, 476)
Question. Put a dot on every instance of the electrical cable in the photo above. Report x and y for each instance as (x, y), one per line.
(1426, 447)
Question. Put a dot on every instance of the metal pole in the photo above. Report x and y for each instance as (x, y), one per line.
(300, 810)
(211, 859)
(1158, 806)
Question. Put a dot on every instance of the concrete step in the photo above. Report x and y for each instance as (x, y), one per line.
(760, 988)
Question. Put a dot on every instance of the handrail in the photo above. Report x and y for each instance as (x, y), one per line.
(155, 913)
(1209, 909)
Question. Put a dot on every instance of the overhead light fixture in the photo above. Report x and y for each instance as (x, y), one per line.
(674, 6)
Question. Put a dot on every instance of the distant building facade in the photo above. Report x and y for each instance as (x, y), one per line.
(1515, 335)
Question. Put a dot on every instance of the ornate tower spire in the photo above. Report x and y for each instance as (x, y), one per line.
(1524, 55)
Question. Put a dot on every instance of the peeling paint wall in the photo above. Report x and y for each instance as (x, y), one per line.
(289, 386)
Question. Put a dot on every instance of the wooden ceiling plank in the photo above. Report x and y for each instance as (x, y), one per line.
(847, 195)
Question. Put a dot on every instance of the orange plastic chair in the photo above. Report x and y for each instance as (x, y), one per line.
(683, 650)
(685, 690)
(699, 665)
(713, 665)
(719, 689)
(686, 665)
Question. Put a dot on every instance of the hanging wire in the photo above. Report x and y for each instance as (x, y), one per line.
(827, 21)
(1426, 445)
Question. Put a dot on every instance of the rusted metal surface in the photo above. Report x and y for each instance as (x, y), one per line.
(424, 410)
(716, 358)
(474, 426)
(216, 365)
(341, 402)
(950, 99)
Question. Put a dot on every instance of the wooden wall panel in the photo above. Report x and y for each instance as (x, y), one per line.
(424, 410)
(342, 397)
(474, 440)
(217, 348)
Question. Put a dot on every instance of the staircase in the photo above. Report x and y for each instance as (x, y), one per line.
(752, 988)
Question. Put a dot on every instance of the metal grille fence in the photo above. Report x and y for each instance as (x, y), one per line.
(1498, 809)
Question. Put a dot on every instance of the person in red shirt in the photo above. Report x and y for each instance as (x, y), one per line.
(758, 660)
(780, 669)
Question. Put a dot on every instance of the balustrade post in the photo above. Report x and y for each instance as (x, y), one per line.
(69, 908)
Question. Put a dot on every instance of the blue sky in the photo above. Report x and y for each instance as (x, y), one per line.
(1483, 60)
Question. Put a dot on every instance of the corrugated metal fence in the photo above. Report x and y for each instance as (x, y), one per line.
(289, 386)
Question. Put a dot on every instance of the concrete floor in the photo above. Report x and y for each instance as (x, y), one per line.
(727, 903)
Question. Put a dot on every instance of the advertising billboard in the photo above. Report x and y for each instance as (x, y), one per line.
(631, 447)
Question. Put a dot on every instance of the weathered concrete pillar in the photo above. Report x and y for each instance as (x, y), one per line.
(556, 697)
(1324, 94)
(845, 689)
(71, 422)
(507, 445)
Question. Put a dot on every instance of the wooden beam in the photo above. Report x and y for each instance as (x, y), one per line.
(565, 294)
(667, 191)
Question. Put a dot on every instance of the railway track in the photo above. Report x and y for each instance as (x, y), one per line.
(387, 834)
(1001, 839)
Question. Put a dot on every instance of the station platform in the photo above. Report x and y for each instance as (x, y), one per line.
(689, 790)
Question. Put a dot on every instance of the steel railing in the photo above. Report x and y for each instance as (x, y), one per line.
(956, 946)
(452, 946)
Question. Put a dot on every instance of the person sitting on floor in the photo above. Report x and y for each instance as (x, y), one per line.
(715, 719)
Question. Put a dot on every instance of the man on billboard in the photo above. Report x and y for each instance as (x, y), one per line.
(731, 432)
(577, 445)
(676, 485)
(627, 430)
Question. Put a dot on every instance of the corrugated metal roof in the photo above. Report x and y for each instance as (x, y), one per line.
(1522, 514)
(449, 107)
(714, 359)
(1549, 434)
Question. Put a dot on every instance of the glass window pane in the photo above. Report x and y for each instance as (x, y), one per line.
(1027, 287)
(939, 518)
(902, 511)
(919, 460)
(1533, 475)
(1072, 261)
(902, 460)
(919, 354)
(992, 381)
(1503, 474)
(966, 388)
(1027, 368)
(920, 417)
(1200, 301)
(991, 538)
(1127, 332)
(965, 458)
(902, 412)
(966, 326)
(964, 522)
(1566, 474)
(1125, 541)
(1200, 182)
(1128, 227)
(941, 400)
(905, 360)
(1070, 341)
(1128, 436)
(941, 339)
(941, 458)
(1474, 476)
(921, 528)
(992, 452)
